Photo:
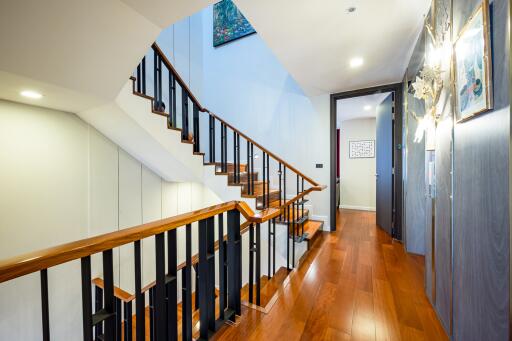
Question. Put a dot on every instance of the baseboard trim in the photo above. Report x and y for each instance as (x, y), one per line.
(358, 208)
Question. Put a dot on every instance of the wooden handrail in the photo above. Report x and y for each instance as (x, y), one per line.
(183, 85)
(38, 260)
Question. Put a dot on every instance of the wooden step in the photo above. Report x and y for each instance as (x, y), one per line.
(299, 217)
(269, 287)
(273, 195)
(231, 167)
(312, 229)
(243, 177)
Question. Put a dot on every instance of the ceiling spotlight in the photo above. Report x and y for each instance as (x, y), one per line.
(31, 94)
(351, 10)
(367, 107)
(356, 62)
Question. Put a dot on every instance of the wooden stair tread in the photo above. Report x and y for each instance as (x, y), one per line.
(311, 227)
(269, 287)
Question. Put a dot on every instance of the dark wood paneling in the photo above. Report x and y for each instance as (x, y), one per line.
(443, 217)
(481, 201)
(384, 164)
(414, 226)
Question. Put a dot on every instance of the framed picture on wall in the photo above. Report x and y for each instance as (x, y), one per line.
(361, 149)
(229, 23)
(472, 66)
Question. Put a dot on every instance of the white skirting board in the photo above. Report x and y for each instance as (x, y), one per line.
(359, 208)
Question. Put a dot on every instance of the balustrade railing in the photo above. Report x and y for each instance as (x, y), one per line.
(224, 148)
(106, 320)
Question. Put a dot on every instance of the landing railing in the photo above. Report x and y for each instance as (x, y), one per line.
(104, 322)
(224, 148)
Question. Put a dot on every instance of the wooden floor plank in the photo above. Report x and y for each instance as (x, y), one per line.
(354, 284)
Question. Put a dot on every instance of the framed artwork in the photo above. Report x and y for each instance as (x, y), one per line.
(229, 23)
(363, 149)
(472, 66)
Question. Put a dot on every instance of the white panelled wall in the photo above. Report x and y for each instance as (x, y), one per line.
(61, 180)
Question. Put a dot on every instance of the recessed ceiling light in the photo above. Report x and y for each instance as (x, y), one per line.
(356, 62)
(31, 94)
(367, 107)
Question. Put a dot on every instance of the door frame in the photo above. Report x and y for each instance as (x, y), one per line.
(396, 88)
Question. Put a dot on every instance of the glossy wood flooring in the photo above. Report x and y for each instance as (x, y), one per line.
(355, 284)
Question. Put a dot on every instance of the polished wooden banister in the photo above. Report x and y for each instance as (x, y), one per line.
(177, 76)
(38, 260)
(182, 83)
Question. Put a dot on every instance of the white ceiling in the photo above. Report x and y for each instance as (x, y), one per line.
(354, 107)
(314, 40)
(79, 53)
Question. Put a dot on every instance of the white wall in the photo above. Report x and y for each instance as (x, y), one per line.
(357, 176)
(61, 180)
(246, 85)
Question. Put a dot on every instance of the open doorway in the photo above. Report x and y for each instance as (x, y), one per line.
(366, 154)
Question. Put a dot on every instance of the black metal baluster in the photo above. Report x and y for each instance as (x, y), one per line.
(297, 205)
(248, 168)
(273, 246)
(203, 268)
(98, 305)
(140, 315)
(170, 122)
(196, 128)
(225, 170)
(128, 321)
(252, 168)
(152, 314)
(139, 81)
(269, 248)
(159, 299)
(268, 181)
(172, 286)
(251, 262)
(211, 154)
(161, 106)
(197, 293)
(143, 70)
(44, 305)
(234, 156)
(238, 156)
(210, 280)
(222, 266)
(86, 298)
(108, 294)
(186, 273)
(279, 173)
(172, 107)
(293, 234)
(184, 115)
(302, 206)
(258, 264)
(234, 264)
(264, 203)
(286, 220)
(118, 321)
(155, 78)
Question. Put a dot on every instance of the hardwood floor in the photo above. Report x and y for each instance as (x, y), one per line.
(355, 284)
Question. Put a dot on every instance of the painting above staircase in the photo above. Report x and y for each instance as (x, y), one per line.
(229, 23)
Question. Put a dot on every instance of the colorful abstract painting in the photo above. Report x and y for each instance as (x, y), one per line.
(229, 23)
(473, 72)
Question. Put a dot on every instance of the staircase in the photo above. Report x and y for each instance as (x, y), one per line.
(273, 205)
(262, 176)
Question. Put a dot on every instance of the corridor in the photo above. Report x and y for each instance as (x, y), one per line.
(356, 284)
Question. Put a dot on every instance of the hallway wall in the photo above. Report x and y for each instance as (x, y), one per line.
(467, 245)
(357, 176)
(61, 181)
